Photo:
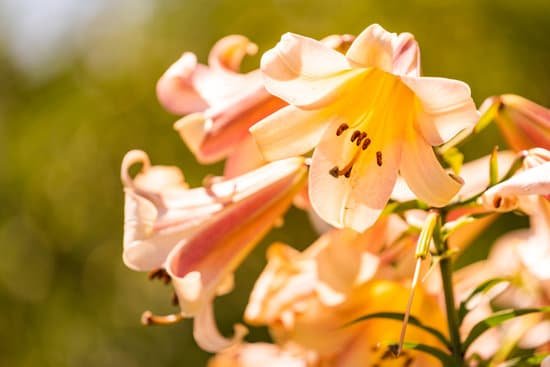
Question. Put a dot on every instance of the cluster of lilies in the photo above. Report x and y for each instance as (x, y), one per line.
(348, 130)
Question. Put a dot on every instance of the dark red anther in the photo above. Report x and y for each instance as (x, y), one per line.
(360, 138)
(366, 144)
(379, 158)
(355, 135)
(343, 127)
(334, 172)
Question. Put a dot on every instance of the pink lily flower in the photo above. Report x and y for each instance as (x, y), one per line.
(369, 115)
(222, 103)
(200, 236)
(523, 123)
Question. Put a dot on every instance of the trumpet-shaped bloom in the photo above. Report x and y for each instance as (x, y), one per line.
(200, 236)
(201, 264)
(523, 123)
(369, 114)
(306, 298)
(221, 102)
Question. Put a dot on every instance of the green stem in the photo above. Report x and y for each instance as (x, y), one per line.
(445, 267)
(452, 318)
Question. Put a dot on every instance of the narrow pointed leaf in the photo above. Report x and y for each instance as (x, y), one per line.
(482, 288)
(495, 320)
(399, 317)
(446, 359)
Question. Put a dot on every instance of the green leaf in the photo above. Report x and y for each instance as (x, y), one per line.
(446, 359)
(399, 317)
(495, 320)
(526, 361)
(482, 288)
(454, 158)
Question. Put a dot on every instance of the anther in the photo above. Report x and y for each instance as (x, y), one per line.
(360, 138)
(148, 318)
(497, 201)
(366, 144)
(355, 135)
(343, 127)
(159, 274)
(379, 158)
(334, 172)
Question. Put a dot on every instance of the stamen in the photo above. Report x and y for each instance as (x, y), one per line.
(159, 274)
(379, 158)
(355, 135)
(360, 138)
(343, 127)
(366, 144)
(409, 306)
(334, 172)
(148, 318)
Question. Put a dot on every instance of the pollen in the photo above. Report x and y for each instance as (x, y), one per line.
(343, 127)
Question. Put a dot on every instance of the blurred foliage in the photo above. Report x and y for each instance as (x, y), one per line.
(66, 299)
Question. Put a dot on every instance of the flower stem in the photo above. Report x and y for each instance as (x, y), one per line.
(452, 319)
(445, 267)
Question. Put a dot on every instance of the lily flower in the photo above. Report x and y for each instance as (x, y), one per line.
(222, 103)
(305, 298)
(200, 236)
(369, 115)
(529, 190)
(202, 264)
(523, 123)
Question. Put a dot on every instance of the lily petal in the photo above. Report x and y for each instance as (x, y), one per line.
(423, 173)
(373, 48)
(533, 181)
(445, 107)
(207, 335)
(228, 53)
(245, 158)
(213, 135)
(304, 72)
(175, 89)
(290, 132)
(406, 55)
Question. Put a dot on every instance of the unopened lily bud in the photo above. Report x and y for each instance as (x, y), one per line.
(523, 123)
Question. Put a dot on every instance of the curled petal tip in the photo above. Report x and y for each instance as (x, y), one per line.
(131, 158)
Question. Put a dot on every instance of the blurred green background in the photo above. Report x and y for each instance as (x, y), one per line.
(77, 91)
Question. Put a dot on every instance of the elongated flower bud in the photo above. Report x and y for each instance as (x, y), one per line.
(523, 123)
